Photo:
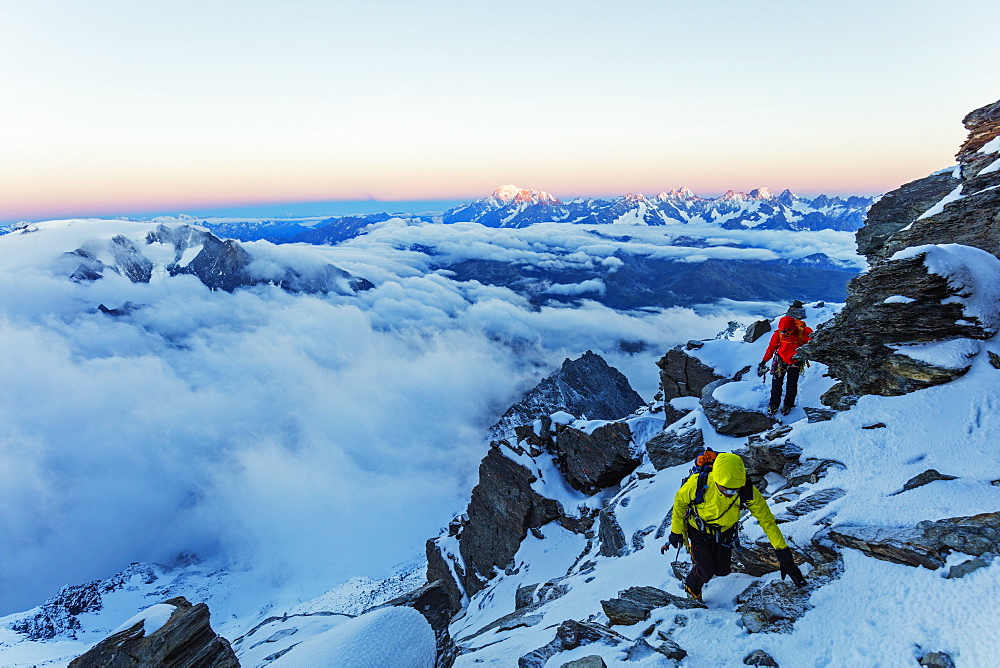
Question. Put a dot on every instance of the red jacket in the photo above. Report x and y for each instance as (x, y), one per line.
(791, 334)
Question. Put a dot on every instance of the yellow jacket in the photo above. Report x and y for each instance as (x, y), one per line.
(721, 510)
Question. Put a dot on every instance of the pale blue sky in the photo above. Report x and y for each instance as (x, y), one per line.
(125, 106)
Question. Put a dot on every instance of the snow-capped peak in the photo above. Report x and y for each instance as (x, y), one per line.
(681, 193)
(733, 196)
(761, 193)
(511, 194)
(635, 197)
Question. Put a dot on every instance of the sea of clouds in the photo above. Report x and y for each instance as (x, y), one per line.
(308, 437)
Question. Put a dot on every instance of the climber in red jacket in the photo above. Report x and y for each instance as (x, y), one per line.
(792, 332)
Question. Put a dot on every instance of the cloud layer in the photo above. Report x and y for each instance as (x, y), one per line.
(309, 436)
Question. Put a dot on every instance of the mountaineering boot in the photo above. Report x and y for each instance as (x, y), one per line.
(691, 593)
(785, 410)
(771, 410)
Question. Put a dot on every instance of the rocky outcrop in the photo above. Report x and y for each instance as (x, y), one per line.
(730, 420)
(185, 641)
(683, 375)
(634, 605)
(927, 544)
(592, 462)
(901, 302)
(585, 387)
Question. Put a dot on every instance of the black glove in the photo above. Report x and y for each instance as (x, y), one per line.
(762, 369)
(675, 540)
(789, 568)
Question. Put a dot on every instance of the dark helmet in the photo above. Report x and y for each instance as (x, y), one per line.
(797, 310)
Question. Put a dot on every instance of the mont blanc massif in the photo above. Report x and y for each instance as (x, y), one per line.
(455, 438)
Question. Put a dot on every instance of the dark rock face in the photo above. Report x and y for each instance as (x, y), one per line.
(634, 604)
(610, 534)
(757, 330)
(731, 420)
(682, 375)
(857, 343)
(185, 641)
(586, 386)
(502, 509)
(592, 462)
(937, 660)
(676, 446)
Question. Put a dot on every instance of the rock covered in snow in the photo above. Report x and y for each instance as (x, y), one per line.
(179, 638)
(933, 245)
(729, 419)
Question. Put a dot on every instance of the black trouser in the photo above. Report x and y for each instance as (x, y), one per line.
(781, 371)
(709, 557)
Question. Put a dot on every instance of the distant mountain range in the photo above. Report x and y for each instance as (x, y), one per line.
(513, 207)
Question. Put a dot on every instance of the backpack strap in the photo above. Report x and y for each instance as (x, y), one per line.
(699, 494)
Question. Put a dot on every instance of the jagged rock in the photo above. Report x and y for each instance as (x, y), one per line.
(592, 661)
(757, 330)
(124, 309)
(502, 510)
(643, 650)
(185, 641)
(592, 462)
(976, 535)
(758, 559)
(135, 266)
(586, 386)
(925, 478)
(928, 543)
(730, 420)
(82, 265)
(760, 658)
(899, 545)
(899, 208)
(937, 660)
(773, 607)
(676, 446)
(818, 414)
(570, 635)
(682, 375)
(610, 535)
(811, 503)
(634, 604)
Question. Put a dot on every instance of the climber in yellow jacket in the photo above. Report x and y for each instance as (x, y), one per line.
(707, 509)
